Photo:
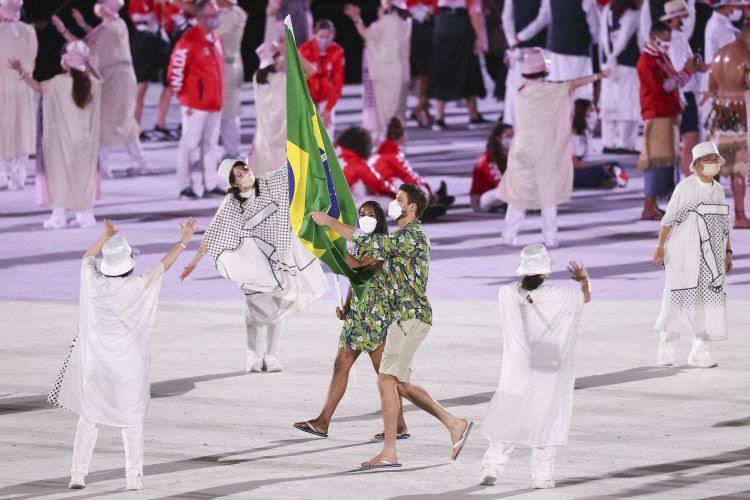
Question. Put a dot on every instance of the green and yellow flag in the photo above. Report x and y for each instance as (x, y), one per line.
(316, 182)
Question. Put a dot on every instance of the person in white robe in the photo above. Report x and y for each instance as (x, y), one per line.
(695, 251)
(620, 106)
(251, 242)
(105, 376)
(533, 403)
(646, 20)
(268, 152)
(67, 161)
(17, 120)
(385, 64)
(232, 19)
(539, 178)
(110, 56)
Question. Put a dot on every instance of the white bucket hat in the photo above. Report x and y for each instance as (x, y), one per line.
(225, 168)
(533, 61)
(11, 9)
(534, 260)
(266, 52)
(702, 149)
(675, 8)
(117, 257)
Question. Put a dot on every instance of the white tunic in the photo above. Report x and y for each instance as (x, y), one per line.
(620, 98)
(231, 28)
(534, 399)
(694, 300)
(719, 32)
(17, 119)
(106, 375)
(269, 144)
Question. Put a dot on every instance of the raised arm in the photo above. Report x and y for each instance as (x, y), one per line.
(109, 231)
(80, 21)
(578, 273)
(15, 64)
(186, 232)
(67, 35)
(202, 249)
(585, 80)
(322, 219)
(353, 12)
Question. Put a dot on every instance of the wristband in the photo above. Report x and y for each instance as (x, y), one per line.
(182, 245)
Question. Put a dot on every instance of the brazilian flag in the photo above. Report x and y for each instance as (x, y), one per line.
(316, 182)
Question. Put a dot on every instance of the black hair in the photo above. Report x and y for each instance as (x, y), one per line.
(199, 5)
(235, 190)
(660, 27)
(382, 225)
(536, 76)
(395, 129)
(261, 75)
(493, 149)
(620, 6)
(357, 139)
(414, 194)
(579, 115)
(81, 88)
(532, 282)
(124, 275)
(325, 24)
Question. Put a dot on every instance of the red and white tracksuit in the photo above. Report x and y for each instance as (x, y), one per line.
(327, 83)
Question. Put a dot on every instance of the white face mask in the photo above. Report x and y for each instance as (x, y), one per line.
(395, 211)
(735, 15)
(247, 181)
(711, 169)
(367, 224)
(661, 45)
(591, 121)
(505, 142)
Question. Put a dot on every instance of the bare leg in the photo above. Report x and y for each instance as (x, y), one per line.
(389, 401)
(651, 209)
(140, 95)
(345, 358)
(375, 357)
(738, 193)
(439, 109)
(471, 103)
(689, 139)
(421, 109)
(166, 96)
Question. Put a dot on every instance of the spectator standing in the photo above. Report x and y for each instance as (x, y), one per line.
(17, 121)
(422, 32)
(327, 60)
(489, 170)
(232, 19)
(268, 153)
(196, 75)
(654, 9)
(494, 54)
(455, 74)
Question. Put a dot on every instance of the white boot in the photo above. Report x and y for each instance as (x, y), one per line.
(77, 481)
(135, 151)
(543, 484)
(665, 351)
(85, 219)
(699, 356)
(57, 220)
(18, 174)
(489, 475)
(254, 362)
(134, 482)
(272, 363)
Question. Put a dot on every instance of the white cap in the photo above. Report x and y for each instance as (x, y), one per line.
(112, 6)
(702, 149)
(118, 257)
(76, 54)
(225, 168)
(266, 52)
(534, 260)
(533, 61)
(11, 9)
(675, 8)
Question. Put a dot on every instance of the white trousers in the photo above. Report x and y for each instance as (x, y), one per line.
(564, 67)
(620, 134)
(514, 218)
(13, 173)
(699, 350)
(230, 136)
(199, 141)
(542, 459)
(486, 201)
(85, 441)
(262, 340)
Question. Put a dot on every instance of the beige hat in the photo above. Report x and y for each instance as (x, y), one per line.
(117, 257)
(533, 61)
(76, 54)
(675, 8)
(702, 149)
(11, 9)
(534, 260)
(226, 166)
(266, 52)
(728, 3)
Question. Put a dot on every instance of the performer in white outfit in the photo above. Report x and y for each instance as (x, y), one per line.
(17, 120)
(110, 56)
(268, 152)
(539, 178)
(575, 25)
(66, 163)
(654, 9)
(104, 377)
(251, 243)
(620, 100)
(232, 19)
(386, 65)
(524, 25)
(695, 250)
(533, 402)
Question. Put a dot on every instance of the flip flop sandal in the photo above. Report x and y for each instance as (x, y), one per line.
(382, 464)
(653, 217)
(310, 430)
(461, 442)
(381, 436)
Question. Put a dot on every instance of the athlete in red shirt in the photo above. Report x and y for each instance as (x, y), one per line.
(489, 170)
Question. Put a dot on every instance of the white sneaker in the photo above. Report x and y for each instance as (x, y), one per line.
(543, 484)
(665, 353)
(272, 363)
(553, 243)
(85, 219)
(77, 481)
(489, 475)
(253, 363)
(55, 222)
(134, 482)
(511, 242)
(705, 361)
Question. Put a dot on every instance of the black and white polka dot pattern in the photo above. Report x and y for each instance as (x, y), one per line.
(65, 392)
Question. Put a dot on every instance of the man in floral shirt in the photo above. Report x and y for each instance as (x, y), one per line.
(408, 254)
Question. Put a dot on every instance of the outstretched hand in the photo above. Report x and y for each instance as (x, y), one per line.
(320, 218)
(577, 271)
(59, 24)
(187, 271)
(187, 229)
(109, 228)
(78, 17)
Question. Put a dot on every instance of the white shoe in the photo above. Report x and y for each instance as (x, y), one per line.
(85, 219)
(705, 361)
(543, 484)
(553, 243)
(664, 352)
(55, 222)
(489, 475)
(134, 482)
(253, 364)
(272, 363)
(77, 481)
(512, 242)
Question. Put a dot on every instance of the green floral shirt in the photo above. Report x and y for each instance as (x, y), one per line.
(407, 252)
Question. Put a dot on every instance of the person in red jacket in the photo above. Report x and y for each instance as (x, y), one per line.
(489, 170)
(327, 58)
(660, 109)
(353, 148)
(196, 75)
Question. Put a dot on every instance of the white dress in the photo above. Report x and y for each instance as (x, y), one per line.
(231, 28)
(269, 144)
(17, 120)
(694, 300)
(105, 377)
(534, 399)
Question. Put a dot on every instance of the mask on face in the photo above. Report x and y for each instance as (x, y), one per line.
(247, 181)
(395, 211)
(323, 42)
(505, 142)
(661, 46)
(367, 223)
(711, 169)
(212, 22)
(591, 121)
(735, 15)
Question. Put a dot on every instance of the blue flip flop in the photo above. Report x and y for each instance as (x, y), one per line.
(310, 429)
(381, 436)
(384, 464)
